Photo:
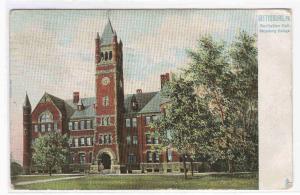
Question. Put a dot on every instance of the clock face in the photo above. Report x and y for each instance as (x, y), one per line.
(105, 81)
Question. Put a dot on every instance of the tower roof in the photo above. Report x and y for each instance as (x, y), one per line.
(107, 34)
(27, 102)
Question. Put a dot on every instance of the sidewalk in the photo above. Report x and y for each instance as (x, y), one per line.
(47, 180)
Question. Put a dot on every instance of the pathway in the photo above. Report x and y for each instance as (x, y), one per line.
(47, 180)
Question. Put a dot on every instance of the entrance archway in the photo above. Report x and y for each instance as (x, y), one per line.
(105, 159)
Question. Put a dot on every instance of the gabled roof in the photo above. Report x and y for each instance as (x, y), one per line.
(107, 34)
(153, 105)
(141, 98)
(87, 112)
(59, 103)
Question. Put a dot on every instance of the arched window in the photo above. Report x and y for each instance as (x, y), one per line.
(110, 55)
(46, 117)
(106, 56)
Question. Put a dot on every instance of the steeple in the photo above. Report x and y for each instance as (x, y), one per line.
(107, 34)
(27, 102)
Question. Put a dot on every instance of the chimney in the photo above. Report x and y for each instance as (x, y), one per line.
(75, 97)
(139, 91)
(163, 79)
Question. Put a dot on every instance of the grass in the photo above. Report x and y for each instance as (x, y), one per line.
(130, 182)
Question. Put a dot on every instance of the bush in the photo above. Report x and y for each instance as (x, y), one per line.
(204, 167)
(15, 170)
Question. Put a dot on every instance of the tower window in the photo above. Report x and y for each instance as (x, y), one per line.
(100, 139)
(109, 139)
(105, 121)
(105, 139)
(106, 56)
(110, 55)
(105, 101)
(101, 56)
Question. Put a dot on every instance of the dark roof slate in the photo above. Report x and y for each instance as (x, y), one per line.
(107, 34)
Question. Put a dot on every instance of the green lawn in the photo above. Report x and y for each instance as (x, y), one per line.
(98, 182)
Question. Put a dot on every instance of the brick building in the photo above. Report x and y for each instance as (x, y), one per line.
(110, 128)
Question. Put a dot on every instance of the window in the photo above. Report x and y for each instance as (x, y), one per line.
(105, 121)
(70, 142)
(100, 139)
(82, 158)
(110, 55)
(46, 117)
(88, 141)
(156, 156)
(149, 156)
(43, 128)
(128, 122)
(155, 140)
(131, 159)
(109, 139)
(32, 141)
(76, 142)
(76, 125)
(90, 157)
(49, 127)
(148, 138)
(128, 138)
(36, 128)
(82, 141)
(82, 124)
(105, 139)
(88, 124)
(154, 118)
(134, 122)
(148, 120)
(55, 126)
(169, 155)
(106, 56)
(134, 140)
(105, 101)
(70, 126)
(101, 56)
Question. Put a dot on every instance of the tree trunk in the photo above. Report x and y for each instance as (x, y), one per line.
(184, 167)
(192, 167)
(50, 171)
(229, 162)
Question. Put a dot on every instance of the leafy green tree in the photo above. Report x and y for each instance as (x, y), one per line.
(228, 81)
(184, 124)
(50, 151)
(212, 111)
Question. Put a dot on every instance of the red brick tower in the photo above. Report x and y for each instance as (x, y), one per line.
(109, 98)
(26, 135)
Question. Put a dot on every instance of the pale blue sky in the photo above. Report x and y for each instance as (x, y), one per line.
(53, 50)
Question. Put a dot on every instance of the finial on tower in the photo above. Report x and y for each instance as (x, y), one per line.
(27, 102)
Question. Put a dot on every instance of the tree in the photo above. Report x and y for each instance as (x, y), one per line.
(184, 124)
(212, 111)
(50, 151)
(228, 82)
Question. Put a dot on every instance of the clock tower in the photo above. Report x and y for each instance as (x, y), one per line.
(109, 98)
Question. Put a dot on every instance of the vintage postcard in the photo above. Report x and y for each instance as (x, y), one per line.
(150, 99)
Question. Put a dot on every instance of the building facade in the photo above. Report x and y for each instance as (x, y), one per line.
(109, 131)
